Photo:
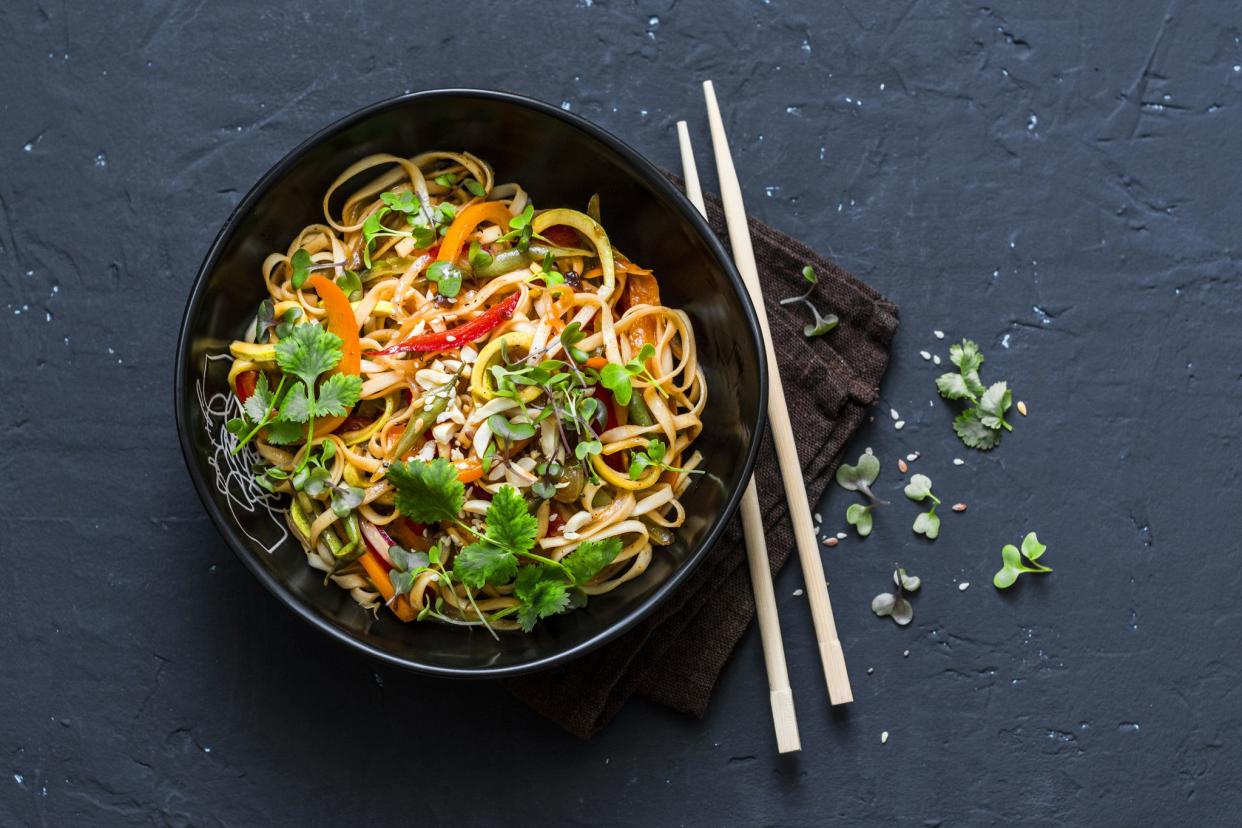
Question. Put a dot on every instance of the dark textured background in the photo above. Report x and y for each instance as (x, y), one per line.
(1055, 180)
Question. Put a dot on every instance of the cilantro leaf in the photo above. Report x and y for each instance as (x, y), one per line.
(966, 356)
(480, 564)
(954, 387)
(974, 433)
(510, 523)
(284, 432)
(590, 558)
(297, 406)
(337, 395)
(542, 593)
(308, 352)
(427, 492)
(260, 400)
(993, 405)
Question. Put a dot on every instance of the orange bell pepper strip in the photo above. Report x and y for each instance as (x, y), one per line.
(379, 576)
(342, 323)
(469, 470)
(466, 221)
(596, 363)
(642, 289)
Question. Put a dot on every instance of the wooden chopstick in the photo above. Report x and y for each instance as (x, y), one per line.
(830, 652)
(784, 718)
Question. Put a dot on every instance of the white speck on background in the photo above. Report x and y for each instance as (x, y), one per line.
(963, 586)
(905, 654)
(1031, 122)
(653, 21)
(957, 461)
(793, 110)
(870, 670)
(565, 105)
(1005, 341)
(771, 191)
(20, 779)
(881, 86)
(924, 355)
(1237, 67)
(806, 45)
(884, 738)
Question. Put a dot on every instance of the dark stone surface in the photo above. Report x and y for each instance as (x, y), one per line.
(1057, 181)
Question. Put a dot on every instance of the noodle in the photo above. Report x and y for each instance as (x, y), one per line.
(517, 345)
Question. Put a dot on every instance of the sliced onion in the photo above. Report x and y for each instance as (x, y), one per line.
(377, 539)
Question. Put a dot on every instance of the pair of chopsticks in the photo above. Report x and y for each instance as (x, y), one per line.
(830, 653)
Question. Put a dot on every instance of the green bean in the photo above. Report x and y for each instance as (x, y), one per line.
(419, 425)
(640, 415)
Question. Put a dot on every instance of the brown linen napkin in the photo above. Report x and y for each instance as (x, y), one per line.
(675, 656)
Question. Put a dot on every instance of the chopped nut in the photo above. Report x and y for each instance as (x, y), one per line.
(901, 466)
(1022, 408)
(831, 541)
(959, 507)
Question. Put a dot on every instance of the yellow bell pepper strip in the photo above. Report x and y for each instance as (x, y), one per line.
(342, 323)
(467, 219)
(480, 375)
(591, 230)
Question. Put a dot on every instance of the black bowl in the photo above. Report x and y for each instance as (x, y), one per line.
(561, 160)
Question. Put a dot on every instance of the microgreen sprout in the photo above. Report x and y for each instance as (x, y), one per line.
(1014, 561)
(446, 276)
(858, 478)
(619, 378)
(979, 426)
(654, 455)
(823, 324)
(918, 490)
(894, 604)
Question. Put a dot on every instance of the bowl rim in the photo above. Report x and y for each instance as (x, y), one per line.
(654, 178)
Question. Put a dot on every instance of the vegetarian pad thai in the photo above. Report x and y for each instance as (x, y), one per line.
(481, 412)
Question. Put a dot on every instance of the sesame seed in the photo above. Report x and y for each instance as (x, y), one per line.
(899, 425)
(924, 355)
(912, 456)
(841, 536)
(892, 412)
(819, 518)
(959, 507)
(938, 334)
(906, 654)
(797, 593)
(936, 359)
(1022, 408)
(901, 466)
(963, 586)
(957, 461)
(831, 541)
(870, 670)
(884, 738)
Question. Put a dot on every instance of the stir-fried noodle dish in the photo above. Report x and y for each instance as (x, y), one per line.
(479, 411)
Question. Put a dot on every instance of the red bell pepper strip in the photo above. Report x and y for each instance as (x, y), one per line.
(459, 336)
(246, 382)
(562, 235)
